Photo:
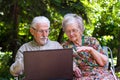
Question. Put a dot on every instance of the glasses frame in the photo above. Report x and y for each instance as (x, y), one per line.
(72, 31)
(41, 31)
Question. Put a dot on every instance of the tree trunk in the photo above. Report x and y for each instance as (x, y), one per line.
(60, 36)
(13, 44)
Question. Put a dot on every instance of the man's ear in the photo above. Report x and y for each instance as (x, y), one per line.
(32, 31)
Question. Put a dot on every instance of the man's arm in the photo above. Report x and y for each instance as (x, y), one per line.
(17, 67)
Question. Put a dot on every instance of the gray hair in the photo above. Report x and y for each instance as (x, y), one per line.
(71, 19)
(40, 19)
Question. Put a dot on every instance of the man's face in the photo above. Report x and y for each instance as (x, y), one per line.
(40, 33)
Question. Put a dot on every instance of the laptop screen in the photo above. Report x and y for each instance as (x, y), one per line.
(54, 64)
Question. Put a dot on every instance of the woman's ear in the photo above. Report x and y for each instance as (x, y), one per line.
(32, 31)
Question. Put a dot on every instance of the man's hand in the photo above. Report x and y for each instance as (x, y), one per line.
(17, 68)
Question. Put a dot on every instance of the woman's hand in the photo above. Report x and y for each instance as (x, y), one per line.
(77, 71)
(85, 49)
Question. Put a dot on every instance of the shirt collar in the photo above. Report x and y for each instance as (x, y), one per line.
(34, 43)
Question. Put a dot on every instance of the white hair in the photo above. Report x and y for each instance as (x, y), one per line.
(71, 19)
(40, 19)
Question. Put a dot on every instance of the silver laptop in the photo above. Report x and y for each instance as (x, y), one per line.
(48, 64)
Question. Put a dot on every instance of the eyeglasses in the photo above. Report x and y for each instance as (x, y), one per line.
(41, 31)
(71, 31)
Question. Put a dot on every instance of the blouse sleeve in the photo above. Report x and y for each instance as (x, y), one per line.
(93, 42)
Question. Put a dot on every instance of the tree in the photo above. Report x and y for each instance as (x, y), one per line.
(101, 20)
(106, 23)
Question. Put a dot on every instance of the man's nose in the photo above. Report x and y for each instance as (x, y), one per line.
(45, 33)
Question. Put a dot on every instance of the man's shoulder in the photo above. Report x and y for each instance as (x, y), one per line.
(53, 42)
(26, 44)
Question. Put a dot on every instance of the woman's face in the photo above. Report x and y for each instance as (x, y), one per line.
(73, 32)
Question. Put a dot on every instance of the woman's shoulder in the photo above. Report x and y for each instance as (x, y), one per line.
(90, 40)
(66, 44)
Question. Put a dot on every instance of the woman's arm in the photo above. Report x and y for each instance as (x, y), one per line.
(101, 59)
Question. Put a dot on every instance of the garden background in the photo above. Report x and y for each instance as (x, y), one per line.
(101, 19)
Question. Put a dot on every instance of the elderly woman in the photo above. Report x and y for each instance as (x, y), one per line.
(88, 54)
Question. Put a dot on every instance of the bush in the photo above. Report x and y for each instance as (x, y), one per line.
(5, 65)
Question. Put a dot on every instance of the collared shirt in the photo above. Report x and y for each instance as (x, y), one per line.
(33, 46)
(17, 69)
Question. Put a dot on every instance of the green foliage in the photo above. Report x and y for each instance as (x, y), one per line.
(4, 65)
(118, 74)
(101, 18)
(104, 18)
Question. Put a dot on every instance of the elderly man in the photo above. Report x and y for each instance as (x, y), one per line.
(40, 31)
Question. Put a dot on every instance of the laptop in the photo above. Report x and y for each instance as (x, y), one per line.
(54, 64)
